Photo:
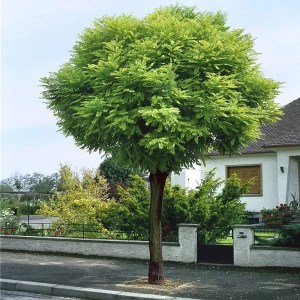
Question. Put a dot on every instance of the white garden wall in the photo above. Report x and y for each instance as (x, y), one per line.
(275, 257)
(249, 255)
(183, 251)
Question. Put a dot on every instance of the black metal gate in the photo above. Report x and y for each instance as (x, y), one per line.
(217, 254)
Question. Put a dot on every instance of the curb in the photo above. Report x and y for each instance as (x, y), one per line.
(78, 292)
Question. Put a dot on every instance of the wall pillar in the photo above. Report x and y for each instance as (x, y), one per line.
(283, 171)
(243, 239)
(187, 235)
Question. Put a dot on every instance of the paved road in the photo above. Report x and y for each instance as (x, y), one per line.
(196, 281)
(37, 220)
(13, 295)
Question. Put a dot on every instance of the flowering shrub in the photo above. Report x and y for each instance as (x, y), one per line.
(276, 214)
(7, 216)
(8, 221)
(285, 210)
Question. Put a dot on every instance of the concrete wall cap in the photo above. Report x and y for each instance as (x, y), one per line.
(273, 248)
(244, 226)
(188, 225)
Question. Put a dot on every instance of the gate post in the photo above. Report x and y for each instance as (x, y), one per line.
(243, 239)
(187, 235)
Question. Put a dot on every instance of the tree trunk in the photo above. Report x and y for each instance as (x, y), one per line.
(157, 184)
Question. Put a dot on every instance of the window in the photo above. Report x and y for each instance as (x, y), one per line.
(245, 173)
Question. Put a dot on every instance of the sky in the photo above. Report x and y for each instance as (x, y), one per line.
(38, 35)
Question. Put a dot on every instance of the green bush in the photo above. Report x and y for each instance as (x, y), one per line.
(176, 209)
(216, 213)
(25, 229)
(31, 209)
(131, 213)
(290, 236)
(86, 201)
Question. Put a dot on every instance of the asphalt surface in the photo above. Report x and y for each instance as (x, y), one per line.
(37, 220)
(192, 280)
(14, 295)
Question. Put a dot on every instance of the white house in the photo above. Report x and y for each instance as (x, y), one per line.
(274, 161)
(188, 178)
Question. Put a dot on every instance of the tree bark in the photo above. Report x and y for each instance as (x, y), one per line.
(157, 184)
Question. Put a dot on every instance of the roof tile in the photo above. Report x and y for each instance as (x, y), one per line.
(284, 133)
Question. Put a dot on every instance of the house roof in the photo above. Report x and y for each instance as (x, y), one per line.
(283, 133)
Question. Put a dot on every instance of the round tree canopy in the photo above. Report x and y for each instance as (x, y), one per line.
(159, 93)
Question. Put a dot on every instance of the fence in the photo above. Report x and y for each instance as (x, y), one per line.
(78, 231)
(264, 234)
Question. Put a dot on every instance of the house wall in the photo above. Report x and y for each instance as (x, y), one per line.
(277, 186)
(188, 178)
(270, 174)
(289, 159)
(293, 180)
(179, 179)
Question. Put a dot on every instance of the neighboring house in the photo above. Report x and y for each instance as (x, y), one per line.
(274, 160)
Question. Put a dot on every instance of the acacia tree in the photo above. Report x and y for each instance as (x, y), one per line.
(159, 93)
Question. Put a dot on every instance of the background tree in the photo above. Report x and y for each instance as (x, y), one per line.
(113, 172)
(36, 183)
(116, 175)
(159, 93)
(37, 187)
(40, 183)
(6, 187)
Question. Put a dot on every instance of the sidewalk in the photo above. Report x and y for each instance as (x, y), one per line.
(104, 278)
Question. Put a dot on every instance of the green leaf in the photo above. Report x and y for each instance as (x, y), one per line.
(162, 91)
